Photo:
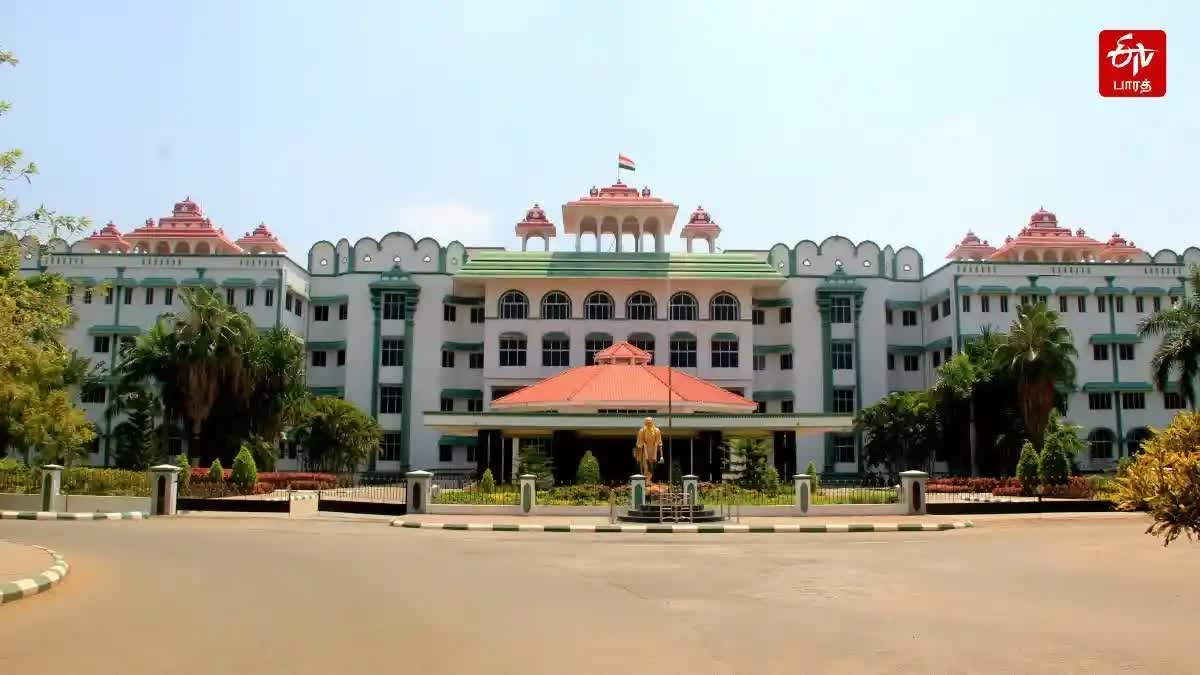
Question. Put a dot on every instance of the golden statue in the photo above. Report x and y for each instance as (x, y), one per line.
(648, 450)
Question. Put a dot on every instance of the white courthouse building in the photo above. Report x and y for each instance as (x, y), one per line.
(426, 335)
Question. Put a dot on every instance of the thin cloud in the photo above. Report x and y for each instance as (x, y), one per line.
(449, 221)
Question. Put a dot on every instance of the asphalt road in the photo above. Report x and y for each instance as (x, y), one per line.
(261, 595)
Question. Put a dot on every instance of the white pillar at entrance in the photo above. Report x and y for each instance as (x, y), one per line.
(912, 491)
(803, 483)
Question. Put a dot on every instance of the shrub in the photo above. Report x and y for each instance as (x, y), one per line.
(1007, 492)
(811, 470)
(1027, 468)
(283, 480)
(487, 484)
(265, 454)
(1165, 480)
(676, 475)
(215, 473)
(245, 473)
(1053, 466)
(588, 472)
(261, 488)
(185, 471)
(306, 485)
(101, 481)
(771, 481)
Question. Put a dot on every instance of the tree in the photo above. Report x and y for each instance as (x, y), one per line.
(588, 472)
(1179, 349)
(244, 474)
(748, 458)
(1027, 469)
(1165, 480)
(335, 435)
(899, 431)
(954, 392)
(1039, 355)
(534, 460)
(487, 483)
(139, 444)
(275, 360)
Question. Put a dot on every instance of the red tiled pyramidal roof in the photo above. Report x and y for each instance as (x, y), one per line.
(623, 379)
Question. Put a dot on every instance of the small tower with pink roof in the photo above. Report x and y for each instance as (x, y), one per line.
(536, 224)
(261, 240)
(701, 226)
(108, 240)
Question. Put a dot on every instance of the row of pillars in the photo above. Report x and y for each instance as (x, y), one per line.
(164, 488)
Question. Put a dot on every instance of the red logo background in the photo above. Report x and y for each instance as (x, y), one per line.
(1119, 79)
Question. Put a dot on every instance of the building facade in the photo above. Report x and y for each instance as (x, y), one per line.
(424, 336)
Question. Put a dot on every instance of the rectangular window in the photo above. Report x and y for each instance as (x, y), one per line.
(101, 344)
(321, 313)
(512, 351)
(1156, 303)
(1119, 301)
(389, 446)
(985, 303)
(887, 316)
(757, 317)
(762, 407)
(1133, 400)
(447, 405)
(445, 453)
(93, 393)
(268, 297)
(298, 306)
(393, 306)
(839, 310)
(392, 352)
(785, 315)
(760, 362)
(891, 361)
(343, 312)
(1102, 303)
(785, 361)
(590, 347)
(474, 405)
(843, 449)
(1100, 352)
(1100, 401)
(475, 360)
(933, 312)
(108, 295)
(1125, 352)
(946, 307)
(937, 359)
(447, 359)
(149, 296)
(966, 304)
(249, 297)
(476, 315)
(318, 358)
(1173, 400)
(787, 406)
(87, 296)
(912, 363)
(908, 317)
(127, 295)
(1004, 303)
(1081, 304)
(947, 353)
(556, 353)
(724, 354)
(341, 357)
(683, 353)
(391, 399)
(71, 295)
(843, 400)
(449, 313)
(842, 355)
(229, 296)
(168, 296)
(1139, 304)
(1062, 304)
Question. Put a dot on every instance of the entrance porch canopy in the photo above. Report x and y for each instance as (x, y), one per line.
(621, 424)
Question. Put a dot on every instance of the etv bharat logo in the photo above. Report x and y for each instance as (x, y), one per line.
(1133, 63)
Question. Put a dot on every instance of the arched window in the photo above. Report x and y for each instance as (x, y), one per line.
(598, 305)
(724, 307)
(514, 305)
(556, 305)
(1136, 438)
(684, 307)
(1100, 443)
(640, 306)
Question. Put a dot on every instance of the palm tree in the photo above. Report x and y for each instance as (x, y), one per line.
(1179, 327)
(276, 363)
(960, 377)
(1038, 354)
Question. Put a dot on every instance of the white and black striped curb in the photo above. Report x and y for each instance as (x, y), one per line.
(691, 529)
(38, 583)
(301, 496)
(53, 515)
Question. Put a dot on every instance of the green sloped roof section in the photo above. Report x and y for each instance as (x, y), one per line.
(1073, 290)
(724, 336)
(939, 296)
(567, 264)
(906, 349)
(462, 393)
(462, 346)
(328, 299)
(81, 281)
(559, 335)
(198, 282)
(767, 303)
(158, 282)
(1111, 290)
(469, 441)
(238, 282)
(1100, 387)
(682, 335)
(773, 395)
(1033, 290)
(115, 330)
(994, 289)
(325, 344)
(940, 343)
(598, 336)
(461, 300)
(1175, 290)
(772, 349)
(1149, 290)
(1114, 339)
(903, 304)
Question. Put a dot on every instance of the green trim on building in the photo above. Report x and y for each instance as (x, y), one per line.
(462, 346)
(238, 282)
(567, 264)
(328, 299)
(273, 283)
(461, 300)
(773, 395)
(1111, 290)
(1175, 290)
(158, 282)
(940, 343)
(725, 336)
(376, 316)
(994, 289)
(681, 335)
(318, 345)
(514, 335)
(115, 330)
(328, 391)
(395, 279)
(198, 282)
(467, 441)
(773, 349)
(1100, 387)
(906, 349)
(560, 335)
(1114, 339)
(768, 303)
(87, 282)
(938, 297)
(1149, 290)
(1033, 290)
(915, 305)
(462, 393)
(410, 311)
(1072, 290)
(632, 336)
(598, 336)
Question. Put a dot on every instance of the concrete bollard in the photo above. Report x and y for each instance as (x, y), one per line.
(528, 493)
(51, 482)
(912, 492)
(417, 496)
(164, 489)
(637, 491)
(803, 483)
(691, 489)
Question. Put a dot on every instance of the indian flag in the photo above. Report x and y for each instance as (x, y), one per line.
(624, 162)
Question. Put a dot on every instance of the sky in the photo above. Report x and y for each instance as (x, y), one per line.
(905, 123)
